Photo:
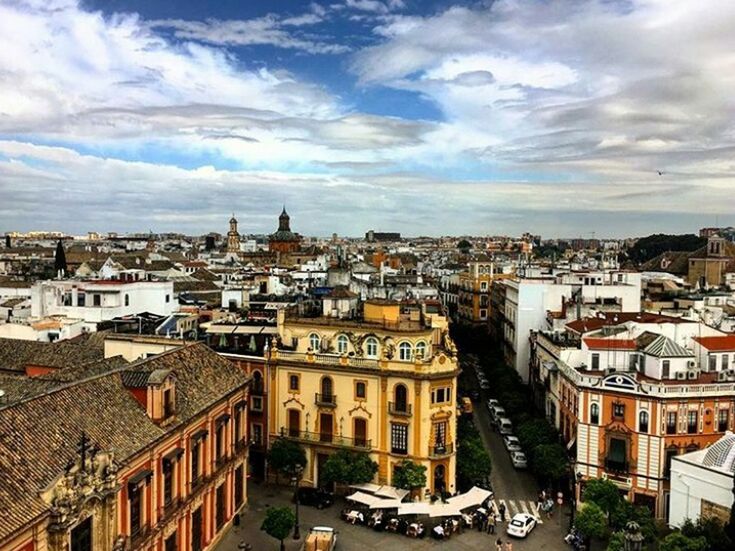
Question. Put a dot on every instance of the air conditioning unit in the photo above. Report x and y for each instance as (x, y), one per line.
(691, 364)
(722, 376)
(693, 374)
(681, 375)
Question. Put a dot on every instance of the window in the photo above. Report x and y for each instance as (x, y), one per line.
(327, 388)
(725, 359)
(594, 414)
(360, 390)
(256, 403)
(670, 454)
(671, 422)
(440, 437)
(171, 543)
(81, 299)
(400, 396)
(692, 418)
(360, 432)
(257, 382)
(441, 395)
(314, 342)
(219, 442)
(256, 429)
(220, 506)
(168, 298)
(97, 300)
(421, 350)
(722, 419)
(135, 517)
(342, 343)
(168, 404)
(618, 410)
(483, 286)
(238, 483)
(399, 438)
(617, 457)
(405, 351)
(168, 481)
(643, 421)
(483, 314)
(293, 383)
(595, 361)
(712, 363)
(127, 300)
(238, 425)
(294, 422)
(666, 369)
(195, 462)
(371, 347)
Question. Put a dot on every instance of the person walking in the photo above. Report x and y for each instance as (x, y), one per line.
(498, 545)
(501, 510)
(508, 545)
(491, 523)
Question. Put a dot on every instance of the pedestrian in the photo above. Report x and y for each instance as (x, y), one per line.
(540, 500)
(549, 507)
(501, 510)
(509, 546)
(498, 545)
(491, 523)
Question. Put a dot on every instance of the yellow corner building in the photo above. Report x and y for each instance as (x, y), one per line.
(378, 376)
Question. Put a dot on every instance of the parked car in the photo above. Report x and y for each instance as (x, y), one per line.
(320, 538)
(518, 458)
(521, 525)
(496, 413)
(511, 441)
(314, 497)
(491, 403)
(505, 426)
(474, 395)
(485, 384)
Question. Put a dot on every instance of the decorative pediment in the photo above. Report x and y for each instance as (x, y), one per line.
(89, 478)
(620, 381)
(296, 401)
(360, 407)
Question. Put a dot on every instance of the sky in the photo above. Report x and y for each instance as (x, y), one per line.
(565, 118)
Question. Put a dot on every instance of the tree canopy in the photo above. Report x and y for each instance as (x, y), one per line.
(676, 541)
(651, 246)
(409, 475)
(549, 462)
(278, 522)
(346, 467)
(464, 245)
(473, 462)
(590, 521)
(285, 456)
(604, 493)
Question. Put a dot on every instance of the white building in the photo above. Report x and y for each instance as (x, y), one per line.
(702, 482)
(96, 301)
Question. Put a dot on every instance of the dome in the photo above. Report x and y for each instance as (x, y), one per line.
(721, 454)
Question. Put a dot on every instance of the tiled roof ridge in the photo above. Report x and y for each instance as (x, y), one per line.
(117, 370)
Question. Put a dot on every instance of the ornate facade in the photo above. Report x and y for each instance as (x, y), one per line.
(233, 238)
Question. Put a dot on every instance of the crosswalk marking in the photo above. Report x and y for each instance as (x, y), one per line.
(512, 508)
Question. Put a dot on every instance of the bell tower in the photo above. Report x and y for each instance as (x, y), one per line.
(233, 238)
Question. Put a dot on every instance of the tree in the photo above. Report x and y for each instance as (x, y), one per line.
(409, 475)
(550, 462)
(285, 456)
(627, 512)
(603, 493)
(535, 432)
(473, 462)
(590, 521)
(616, 542)
(60, 260)
(345, 467)
(711, 529)
(651, 246)
(278, 523)
(676, 541)
(464, 246)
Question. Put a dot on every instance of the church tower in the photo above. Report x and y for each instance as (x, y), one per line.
(233, 238)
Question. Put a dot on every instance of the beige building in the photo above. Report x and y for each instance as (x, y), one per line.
(382, 381)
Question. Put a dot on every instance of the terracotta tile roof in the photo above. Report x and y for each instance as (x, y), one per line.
(65, 353)
(38, 435)
(15, 353)
(610, 344)
(723, 343)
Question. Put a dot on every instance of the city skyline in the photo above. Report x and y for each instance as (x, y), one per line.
(425, 118)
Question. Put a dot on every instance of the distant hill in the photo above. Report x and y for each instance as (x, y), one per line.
(650, 247)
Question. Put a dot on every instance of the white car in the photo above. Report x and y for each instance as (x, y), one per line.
(521, 525)
(518, 458)
(511, 442)
(492, 403)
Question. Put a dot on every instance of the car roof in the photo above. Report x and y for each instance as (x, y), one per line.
(521, 516)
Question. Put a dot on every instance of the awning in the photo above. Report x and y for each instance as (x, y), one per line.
(420, 508)
(173, 455)
(365, 499)
(198, 435)
(444, 510)
(386, 504)
(391, 492)
(366, 487)
(473, 498)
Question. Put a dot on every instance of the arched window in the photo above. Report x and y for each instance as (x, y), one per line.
(342, 342)
(314, 342)
(421, 350)
(371, 347)
(405, 351)
(594, 414)
(257, 382)
(643, 421)
(327, 388)
(400, 397)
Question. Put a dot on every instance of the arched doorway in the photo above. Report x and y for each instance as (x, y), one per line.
(439, 479)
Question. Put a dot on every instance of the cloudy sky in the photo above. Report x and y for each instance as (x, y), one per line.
(421, 116)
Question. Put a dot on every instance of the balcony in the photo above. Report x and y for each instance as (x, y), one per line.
(617, 466)
(326, 400)
(326, 438)
(399, 409)
(441, 450)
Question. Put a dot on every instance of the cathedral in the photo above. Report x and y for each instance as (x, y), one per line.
(284, 240)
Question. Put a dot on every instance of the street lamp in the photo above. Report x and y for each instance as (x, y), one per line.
(633, 539)
(298, 471)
